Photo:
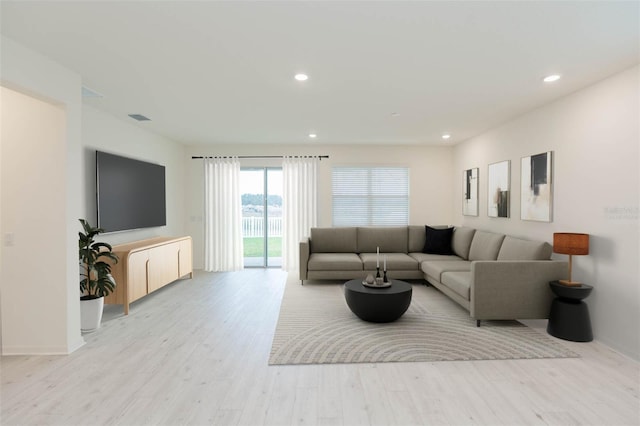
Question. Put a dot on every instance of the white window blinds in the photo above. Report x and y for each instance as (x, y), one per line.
(370, 196)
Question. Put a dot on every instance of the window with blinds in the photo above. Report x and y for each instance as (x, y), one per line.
(370, 196)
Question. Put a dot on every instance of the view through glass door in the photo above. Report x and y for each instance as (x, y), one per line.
(261, 191)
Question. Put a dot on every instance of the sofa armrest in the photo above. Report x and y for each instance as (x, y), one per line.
(304, 257)
(513, 289)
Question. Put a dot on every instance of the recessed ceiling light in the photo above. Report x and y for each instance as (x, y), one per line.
(395, 114)
(313, 135)
(446, 136)
(301, 77)
(551, 78)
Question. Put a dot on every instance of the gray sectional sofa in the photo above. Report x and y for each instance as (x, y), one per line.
(493, 276)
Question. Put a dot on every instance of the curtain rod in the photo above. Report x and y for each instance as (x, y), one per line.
(260, 156)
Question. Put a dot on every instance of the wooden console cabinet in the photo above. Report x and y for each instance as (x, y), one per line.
(147, 265)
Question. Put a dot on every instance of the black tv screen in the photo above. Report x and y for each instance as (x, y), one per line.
(130, 193)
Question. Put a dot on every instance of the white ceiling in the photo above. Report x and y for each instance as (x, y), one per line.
(222, 72)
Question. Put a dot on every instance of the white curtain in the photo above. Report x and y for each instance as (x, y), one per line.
(223, 215)
(299, 206)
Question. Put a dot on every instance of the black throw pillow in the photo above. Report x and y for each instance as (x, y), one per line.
(438, 241)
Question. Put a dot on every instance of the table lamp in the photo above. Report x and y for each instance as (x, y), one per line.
(569, 243)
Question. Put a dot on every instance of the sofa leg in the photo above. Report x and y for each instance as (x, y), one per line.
(301, 282)
(477, 323)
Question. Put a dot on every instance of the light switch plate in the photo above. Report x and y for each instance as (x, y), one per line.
(9, 239)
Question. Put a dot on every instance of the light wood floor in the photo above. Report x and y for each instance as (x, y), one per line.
(197, 351)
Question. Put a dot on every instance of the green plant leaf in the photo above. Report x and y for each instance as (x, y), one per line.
(100, 246)
(95, 272)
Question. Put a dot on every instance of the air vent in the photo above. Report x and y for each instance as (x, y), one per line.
(90, 93)
(139, 117)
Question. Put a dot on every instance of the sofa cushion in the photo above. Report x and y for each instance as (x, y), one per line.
(391, 239)
(485, 245)
(459, 282)
(416, 238)
(395, 262)
(333, 240)
(422, 257)
(461, 241)
(436, 268)
(334, 262)
(438, 241)
(517, 249)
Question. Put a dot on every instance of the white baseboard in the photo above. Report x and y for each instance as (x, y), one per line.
(41, 350)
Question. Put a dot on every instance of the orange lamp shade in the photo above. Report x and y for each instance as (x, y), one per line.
(569, 243)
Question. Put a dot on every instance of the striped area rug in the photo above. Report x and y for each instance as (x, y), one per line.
(316, 327)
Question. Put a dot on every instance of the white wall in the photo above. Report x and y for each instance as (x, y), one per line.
(594, 136)
(40, 182)
(430, 168)
(48, 182)
(104, 132)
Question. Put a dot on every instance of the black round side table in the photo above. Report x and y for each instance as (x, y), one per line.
(569, 317)
(378, 304)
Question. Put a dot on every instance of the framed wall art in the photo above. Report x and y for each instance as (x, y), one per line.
(536, 193)
(498, 191)
(470, 191)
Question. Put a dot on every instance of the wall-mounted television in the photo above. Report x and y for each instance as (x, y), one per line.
(130, 193)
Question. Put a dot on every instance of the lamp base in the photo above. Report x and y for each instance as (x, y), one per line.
(570, 283)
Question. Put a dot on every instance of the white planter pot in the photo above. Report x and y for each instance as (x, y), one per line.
(91, 314)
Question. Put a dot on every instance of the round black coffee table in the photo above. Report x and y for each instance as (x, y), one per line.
(378, 304)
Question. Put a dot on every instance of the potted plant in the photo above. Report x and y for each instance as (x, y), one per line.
(96, 281)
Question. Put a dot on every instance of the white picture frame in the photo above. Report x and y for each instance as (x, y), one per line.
(536, 187)
(470, 192)
(499, 189)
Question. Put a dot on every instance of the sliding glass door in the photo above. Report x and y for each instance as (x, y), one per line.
(261, 192)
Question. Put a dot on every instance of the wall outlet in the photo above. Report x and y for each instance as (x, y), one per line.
(9, 239)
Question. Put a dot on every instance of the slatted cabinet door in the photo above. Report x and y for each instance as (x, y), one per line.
(185, 257)
(138, 270)
(163, 266)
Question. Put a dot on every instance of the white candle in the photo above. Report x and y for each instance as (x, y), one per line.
(385, 263)
(377, 257)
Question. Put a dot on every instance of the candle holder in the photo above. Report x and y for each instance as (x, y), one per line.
(384, 277)
(378, 272)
